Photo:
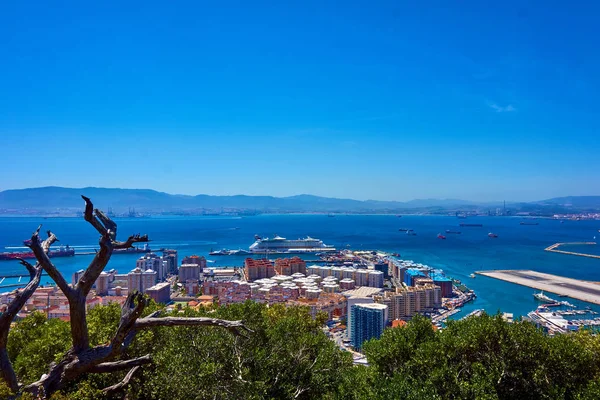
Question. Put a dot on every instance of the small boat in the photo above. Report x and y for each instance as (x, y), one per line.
(542, 297)
(404, 230)
(529, 223)
(440, 236)
(239, 252)
(492, 235)
(451, 231)
(396, 254)
(472, 276)
(223, 252)
(410, 232)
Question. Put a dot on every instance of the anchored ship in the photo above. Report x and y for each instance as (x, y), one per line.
(134, 250)
(281, 245)
(63, 251)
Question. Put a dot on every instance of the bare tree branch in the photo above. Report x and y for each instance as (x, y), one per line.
(121, 385)
(88, 215)
(81, 359)
(6, 370)
(130, 241)
(96, 266)
(30, 268)
(40, 250)
(108, 223)
(130, 312)
(121, 365)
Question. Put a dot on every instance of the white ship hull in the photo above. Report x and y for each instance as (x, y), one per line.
(279, 245)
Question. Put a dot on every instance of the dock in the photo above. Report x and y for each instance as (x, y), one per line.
(574, 288)
(555, 246)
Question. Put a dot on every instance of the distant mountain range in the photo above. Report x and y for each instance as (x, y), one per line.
(53, 199)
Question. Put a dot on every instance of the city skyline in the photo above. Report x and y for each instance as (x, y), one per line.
(394, 102)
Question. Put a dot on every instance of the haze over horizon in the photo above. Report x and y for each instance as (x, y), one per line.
(388, 102)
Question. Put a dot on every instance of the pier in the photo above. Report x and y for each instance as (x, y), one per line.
(574, 288)
(555, 246)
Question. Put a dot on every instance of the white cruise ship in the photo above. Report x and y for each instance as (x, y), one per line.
(280, 245)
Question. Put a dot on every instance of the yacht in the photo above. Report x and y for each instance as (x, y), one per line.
(542, 297)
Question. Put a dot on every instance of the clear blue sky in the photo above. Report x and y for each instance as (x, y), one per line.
(380, 100)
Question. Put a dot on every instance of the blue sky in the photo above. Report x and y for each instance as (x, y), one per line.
(365, 100)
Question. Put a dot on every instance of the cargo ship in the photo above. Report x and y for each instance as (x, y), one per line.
(472, 225)
(133, 250)
(281, 245)
(63, 251)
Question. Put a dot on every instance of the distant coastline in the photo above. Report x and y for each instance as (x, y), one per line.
(63, 202)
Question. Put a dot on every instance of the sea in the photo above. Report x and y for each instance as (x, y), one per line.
(516, 247)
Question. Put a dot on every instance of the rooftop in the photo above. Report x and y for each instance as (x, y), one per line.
(362, 291)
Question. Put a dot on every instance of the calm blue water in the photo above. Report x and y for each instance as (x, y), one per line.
(517, 247)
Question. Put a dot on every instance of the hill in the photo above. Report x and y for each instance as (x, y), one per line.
(54, 199)
(120, 200)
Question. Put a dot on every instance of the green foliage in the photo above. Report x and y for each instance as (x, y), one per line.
(483, 358)
(34, 343)
(5, 391)
(288, 356)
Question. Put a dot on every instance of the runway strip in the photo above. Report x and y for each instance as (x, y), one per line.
(574, 288)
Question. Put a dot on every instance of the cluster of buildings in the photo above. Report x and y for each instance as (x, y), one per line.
(417, 290)
(353, 287)
(51, 301)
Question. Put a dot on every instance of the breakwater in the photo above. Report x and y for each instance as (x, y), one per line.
(555, 246)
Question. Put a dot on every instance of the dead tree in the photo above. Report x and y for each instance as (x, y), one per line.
(82, 358)
(21, 296)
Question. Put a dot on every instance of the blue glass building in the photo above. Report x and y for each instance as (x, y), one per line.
(368, 321)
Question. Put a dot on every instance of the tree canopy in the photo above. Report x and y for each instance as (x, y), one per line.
(288, 356)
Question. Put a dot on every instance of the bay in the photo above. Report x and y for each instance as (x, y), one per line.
(516, 247)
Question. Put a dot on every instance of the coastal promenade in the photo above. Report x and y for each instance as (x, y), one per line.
(574, 288)
(555, 246)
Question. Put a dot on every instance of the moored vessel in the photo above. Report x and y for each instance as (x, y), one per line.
(63, 251)
(281, 245)
(542, 297)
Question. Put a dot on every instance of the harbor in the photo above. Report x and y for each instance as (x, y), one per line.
(562, 286)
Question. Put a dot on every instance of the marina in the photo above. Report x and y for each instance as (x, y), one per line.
(574, 288)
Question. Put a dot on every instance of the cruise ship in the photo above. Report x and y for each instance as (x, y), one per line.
(280, 245)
